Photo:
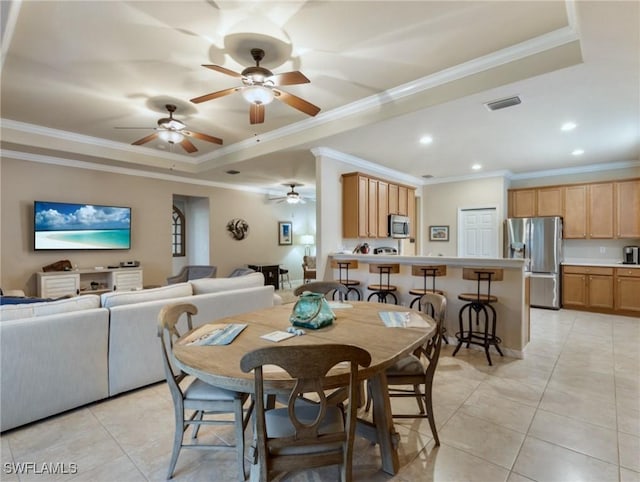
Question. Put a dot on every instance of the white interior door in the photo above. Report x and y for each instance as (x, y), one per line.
(478, 233)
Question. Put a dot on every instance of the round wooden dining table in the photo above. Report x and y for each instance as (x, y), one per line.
(357, 323)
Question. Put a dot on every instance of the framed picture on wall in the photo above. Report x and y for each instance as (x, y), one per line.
(438, 233)
(285, 233)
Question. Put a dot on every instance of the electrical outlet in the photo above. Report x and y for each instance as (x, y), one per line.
(603, 250)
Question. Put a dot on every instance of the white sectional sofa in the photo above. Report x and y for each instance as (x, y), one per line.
(59, 355)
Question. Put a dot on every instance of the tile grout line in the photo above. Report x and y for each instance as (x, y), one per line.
(125, 452)
(555, 364)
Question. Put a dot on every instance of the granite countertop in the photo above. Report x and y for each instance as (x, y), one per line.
(606, 263)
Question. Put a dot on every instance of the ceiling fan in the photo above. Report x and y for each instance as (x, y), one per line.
(174, 132)
(259, 88)
(292, 197)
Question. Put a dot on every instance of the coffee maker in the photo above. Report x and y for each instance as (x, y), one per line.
(631, 255)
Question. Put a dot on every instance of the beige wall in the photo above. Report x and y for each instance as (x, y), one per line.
(22, 182)
(440, 204)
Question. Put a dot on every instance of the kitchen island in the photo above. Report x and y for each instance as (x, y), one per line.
(512, 292)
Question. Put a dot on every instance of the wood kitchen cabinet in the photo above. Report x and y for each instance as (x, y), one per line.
(627, 296)
(383, 209)
(549, 201)
(587, 287)
(367, 202)
(355, 206)
(601, 211)
(575, 212)
(393, 199)
(522, 203)
(628, 209)
(526, 203)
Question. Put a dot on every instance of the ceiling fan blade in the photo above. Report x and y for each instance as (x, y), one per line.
(289, 78)
(144, 140)
(188, 146)
(203, 137)
(223, 70)
(256, 113)
(296, 102)
(214, 95)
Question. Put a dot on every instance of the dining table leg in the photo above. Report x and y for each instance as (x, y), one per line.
(382, 431)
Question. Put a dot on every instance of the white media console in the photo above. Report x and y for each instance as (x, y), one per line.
(54, 284)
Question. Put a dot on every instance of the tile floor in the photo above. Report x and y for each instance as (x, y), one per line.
(570, 411)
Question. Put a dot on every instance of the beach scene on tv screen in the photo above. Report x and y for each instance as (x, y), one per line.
(81, 226)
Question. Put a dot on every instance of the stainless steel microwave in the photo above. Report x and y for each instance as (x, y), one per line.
(398, 226)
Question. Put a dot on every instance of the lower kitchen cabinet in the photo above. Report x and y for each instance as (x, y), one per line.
(602, 289)
(628, 290)
(587, 287)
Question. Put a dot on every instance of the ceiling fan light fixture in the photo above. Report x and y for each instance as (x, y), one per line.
(257, 94)
(173, 137)
(293, 198)
(171, 124)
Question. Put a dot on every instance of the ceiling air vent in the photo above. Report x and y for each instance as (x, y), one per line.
(503, 103)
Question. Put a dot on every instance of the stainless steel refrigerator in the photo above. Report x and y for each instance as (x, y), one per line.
(539, 242)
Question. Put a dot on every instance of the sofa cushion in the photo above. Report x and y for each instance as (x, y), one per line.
(216, 285)
(16, 312)
(44, 308)
(117, 298)
(67, 305)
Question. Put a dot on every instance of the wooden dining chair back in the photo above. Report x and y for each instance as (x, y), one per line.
(201, 398)
(418, 369)
(323, 287)
(305, 435)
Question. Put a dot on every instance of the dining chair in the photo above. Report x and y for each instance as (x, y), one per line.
(419, 368)
(323, 287)
(198, 396)
(304, 435)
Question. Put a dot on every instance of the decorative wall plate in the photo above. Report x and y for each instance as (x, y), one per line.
(238, 229)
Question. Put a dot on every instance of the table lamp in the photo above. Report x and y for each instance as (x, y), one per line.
(307, 240)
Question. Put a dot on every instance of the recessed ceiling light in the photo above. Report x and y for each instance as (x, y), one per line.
(577, 152)
(476, 166)
(426, 140)
(568, 126)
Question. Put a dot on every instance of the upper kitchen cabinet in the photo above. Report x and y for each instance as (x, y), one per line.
(549, 201)
(355, 206)
(367, 202)
(601, 211)
(575, 212)
(522, 203)
(598, 210)
(628, 209)
(528, 203)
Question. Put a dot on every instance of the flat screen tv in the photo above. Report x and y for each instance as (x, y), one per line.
(66, 226)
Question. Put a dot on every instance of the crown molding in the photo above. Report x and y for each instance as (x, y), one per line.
(367, 165)
(65, 162)
(611, 166)
(94, 141)
(536, 45)
(524, 49)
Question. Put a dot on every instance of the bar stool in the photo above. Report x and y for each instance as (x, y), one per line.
(426, 271)
(479, 303)
(350, 284)
(384, 287)
(283, 272)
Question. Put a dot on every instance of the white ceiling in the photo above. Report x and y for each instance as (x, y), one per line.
(383, 73)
